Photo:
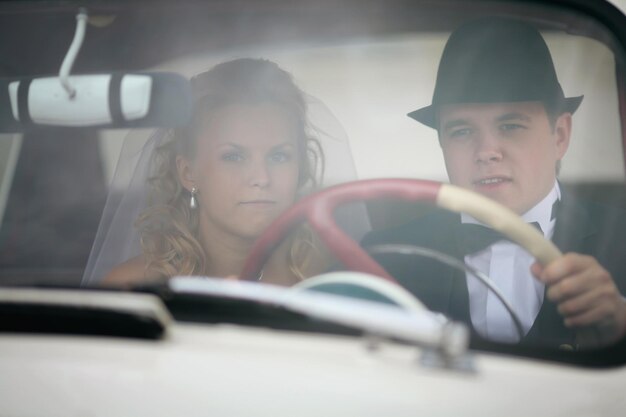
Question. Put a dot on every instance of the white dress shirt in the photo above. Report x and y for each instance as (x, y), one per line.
(508, 266)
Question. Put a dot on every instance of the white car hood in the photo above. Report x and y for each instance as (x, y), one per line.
(210, 370)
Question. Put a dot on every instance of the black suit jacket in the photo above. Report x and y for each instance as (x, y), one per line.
(585, 228)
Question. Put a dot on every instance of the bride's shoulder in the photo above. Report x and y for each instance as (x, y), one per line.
(131, 272)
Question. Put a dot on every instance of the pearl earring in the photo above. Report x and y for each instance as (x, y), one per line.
(192, 201)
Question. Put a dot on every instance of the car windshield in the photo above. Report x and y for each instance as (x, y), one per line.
(252, 107)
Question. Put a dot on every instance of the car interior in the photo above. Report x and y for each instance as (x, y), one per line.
(368, 62)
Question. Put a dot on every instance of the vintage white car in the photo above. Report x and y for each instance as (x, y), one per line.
(86, 84)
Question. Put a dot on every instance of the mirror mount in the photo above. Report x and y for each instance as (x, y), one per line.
(70, 57)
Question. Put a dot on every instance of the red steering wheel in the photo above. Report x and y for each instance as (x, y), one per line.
(318, 209)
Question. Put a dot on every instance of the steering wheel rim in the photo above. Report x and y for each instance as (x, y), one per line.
(318, 209)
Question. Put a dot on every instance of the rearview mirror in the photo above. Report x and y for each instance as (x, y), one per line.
(118, 100)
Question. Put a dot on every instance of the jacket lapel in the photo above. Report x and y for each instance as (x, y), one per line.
(572, 231)
(444, 287)
(457, 303)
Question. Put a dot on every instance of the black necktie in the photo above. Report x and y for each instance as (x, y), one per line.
(475, 237)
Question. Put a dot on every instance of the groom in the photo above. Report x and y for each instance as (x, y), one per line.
(504, 125)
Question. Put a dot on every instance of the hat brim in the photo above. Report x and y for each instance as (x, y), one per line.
(428, 115)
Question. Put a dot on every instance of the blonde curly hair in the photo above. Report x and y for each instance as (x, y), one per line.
(168, 227)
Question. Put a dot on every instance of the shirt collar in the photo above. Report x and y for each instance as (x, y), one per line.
(540, 213)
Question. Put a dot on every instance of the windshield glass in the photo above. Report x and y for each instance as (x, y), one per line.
(524, 107)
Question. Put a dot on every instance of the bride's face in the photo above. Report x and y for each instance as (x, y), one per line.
(245, 168)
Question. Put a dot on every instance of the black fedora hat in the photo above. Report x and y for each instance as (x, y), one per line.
(496, 60)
